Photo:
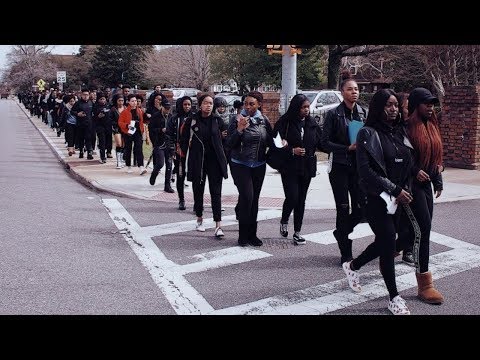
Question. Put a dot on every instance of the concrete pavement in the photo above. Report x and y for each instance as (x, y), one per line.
(459, 184)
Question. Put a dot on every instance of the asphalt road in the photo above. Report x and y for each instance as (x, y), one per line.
(67, 249)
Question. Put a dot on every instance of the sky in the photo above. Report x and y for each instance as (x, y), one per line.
(56, 49)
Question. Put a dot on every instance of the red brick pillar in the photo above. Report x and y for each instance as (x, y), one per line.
(271, 106)
(460, 127)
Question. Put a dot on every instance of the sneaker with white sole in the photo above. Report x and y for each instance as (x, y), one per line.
(298, 239)
(200, 227)
(143, 171)
(352, 277)
(398, 306)
(219, 232)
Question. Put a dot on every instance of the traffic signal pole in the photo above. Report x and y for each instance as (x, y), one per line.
(289, 77)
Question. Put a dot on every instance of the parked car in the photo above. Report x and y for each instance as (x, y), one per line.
(321, 101)
(181, 92)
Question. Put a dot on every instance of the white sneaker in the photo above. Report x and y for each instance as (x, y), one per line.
(398, 306)
(352, 277)
(200, 227)
(129, 169)
(219, 232)
(143, 171)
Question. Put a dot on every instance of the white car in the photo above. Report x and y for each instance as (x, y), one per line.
(321, 101)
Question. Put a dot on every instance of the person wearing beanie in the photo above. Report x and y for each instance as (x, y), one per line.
(424, 133)
(384, 163)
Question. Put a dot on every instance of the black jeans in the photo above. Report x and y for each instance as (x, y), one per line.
(384, 227)
(344, 181)
(158, 158)
(137, 142)
(295, 188)
(180, 172)
(249, 183)
(215, 179)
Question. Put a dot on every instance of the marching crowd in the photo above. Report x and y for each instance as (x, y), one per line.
(395, 154)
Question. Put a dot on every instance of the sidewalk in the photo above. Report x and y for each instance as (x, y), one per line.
(459, 184)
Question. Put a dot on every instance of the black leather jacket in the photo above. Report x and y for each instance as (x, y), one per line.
(371, 163)
(335, 135)
(250, 145)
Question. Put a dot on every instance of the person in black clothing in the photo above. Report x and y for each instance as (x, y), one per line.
(249, 136)
(175, 123)
(405, 225)
(302, 135)
(103, 126)
(157, 128)
(424, 133)
(82, 110)
(384, 162)
(201, 139)
(343, 175)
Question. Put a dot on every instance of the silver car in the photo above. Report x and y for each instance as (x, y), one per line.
(321, 101)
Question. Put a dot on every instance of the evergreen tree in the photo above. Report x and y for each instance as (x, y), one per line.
(112, 64)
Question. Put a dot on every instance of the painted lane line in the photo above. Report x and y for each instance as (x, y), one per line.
(335, 295)
(221, 258)
(185, 226)
(326, 237)
(182, 296)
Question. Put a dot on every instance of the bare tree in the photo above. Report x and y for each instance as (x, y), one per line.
(337, 52)
(186, 65)
(28, 63)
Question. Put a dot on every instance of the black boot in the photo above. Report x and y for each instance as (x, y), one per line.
(243, 235)
(252, 235)
(181, 205)
(168, 188)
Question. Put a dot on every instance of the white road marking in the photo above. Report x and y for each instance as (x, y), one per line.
(327, 238)
(184, 226)
(319, 299)
(181, 295)
(336, 295)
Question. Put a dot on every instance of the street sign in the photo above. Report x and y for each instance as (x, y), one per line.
(61, 76)
(41, 84)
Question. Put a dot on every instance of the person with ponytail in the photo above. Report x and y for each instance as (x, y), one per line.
(343, 175)
(384, 162)
(424, 133)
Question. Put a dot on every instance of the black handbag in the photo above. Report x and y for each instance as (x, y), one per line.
(277, 157)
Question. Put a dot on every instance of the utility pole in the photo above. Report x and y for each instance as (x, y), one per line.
(289, 77)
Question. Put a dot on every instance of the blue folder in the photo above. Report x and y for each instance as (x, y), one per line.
(353, 128)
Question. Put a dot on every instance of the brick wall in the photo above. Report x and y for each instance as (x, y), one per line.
(270, 106)
(460, 127)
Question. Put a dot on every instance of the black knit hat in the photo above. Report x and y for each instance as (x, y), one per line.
(420, 96)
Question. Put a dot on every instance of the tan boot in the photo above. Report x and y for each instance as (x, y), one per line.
(426, 291)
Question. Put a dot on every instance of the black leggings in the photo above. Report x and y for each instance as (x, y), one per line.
(295, 188)
(383, 226)
(249, 183)
(422, 208)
